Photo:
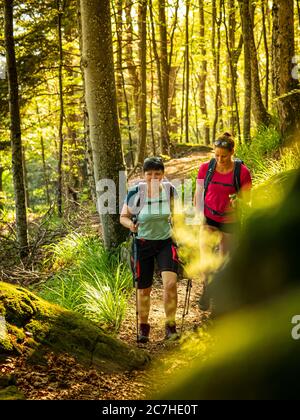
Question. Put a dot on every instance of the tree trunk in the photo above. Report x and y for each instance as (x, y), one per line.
(89, 165)
(119, 75)
(25, 177)
(230, 37)
(260, 113)
(152, 98)
(203, 73)
(15, 129)
(45, 172)
(285, 81)
(61, 112)
(187, 75)
(264, 9)
(164, 140)
(142, 122)
(245, 18)
(172, 112)
(129, 157)
(132, 71)
(165, 70)
(103, 115)
(216, 54)
(233, 56)
(1, 188)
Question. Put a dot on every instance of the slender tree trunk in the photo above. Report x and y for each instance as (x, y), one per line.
(1, 188)
(1, 181)
(103, 115)
(165, 140)
(245, 18)
(182, 98)
(15, 129)
(264, 9)
(132, 70)
(89, 164)
(187, 75)
(165, 70)
(61, 113)
(45, 172)
(298, 7)
(25, 176)
(172, 113)
(260, 113)
(230, 42)
(285, 81)
(151, 97)
(119, 75)
(216, 55)
(122, 87)
(142, 124)
(203, 73)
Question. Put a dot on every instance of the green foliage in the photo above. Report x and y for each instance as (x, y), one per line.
(262, 147)
(91, 280)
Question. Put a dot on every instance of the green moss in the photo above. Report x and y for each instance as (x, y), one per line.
(18, 333)
(11, 393)
(62, 331)
(38, 329)
(6, 346)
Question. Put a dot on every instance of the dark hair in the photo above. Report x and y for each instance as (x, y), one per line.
(153, 164)
(225, 141)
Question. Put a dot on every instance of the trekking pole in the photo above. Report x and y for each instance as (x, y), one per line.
(135, 279)
(189, 286)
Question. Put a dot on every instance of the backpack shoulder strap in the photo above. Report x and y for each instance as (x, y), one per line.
(171, 192)
(209, 174)
(237, 174)
(136, 198)
(141, 195)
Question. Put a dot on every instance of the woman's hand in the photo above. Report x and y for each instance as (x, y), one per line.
(133, 227)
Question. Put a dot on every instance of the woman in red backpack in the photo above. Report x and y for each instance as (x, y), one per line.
(219, 183)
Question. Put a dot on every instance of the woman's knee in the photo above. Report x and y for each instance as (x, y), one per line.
(169, 280)
(145, 292)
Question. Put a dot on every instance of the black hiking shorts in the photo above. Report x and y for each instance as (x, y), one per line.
(164, 252)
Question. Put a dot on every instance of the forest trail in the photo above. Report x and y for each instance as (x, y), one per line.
(64, 378)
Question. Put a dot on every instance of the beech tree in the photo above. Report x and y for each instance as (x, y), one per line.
(100, 94)
(15, 130)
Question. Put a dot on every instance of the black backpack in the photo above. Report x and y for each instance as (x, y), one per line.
(236, 178)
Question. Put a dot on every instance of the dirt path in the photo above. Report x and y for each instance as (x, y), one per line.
(180, 168)
(62, 378)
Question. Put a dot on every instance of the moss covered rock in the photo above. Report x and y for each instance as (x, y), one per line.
(35, 326)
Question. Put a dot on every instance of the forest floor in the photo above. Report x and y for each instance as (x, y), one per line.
(63, 378)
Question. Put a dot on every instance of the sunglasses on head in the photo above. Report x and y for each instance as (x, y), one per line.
(223, 143)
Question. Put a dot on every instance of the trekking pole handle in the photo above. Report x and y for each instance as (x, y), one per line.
(134, 221)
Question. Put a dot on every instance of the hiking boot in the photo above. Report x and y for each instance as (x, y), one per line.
(144, 333)
(171, 333)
